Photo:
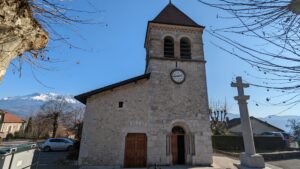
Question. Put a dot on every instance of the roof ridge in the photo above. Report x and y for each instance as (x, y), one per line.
(237, 121)
(12, 118)
(171, 14)
(83, 97)
(183, 13)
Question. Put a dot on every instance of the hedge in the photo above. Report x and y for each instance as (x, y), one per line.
(236, 144)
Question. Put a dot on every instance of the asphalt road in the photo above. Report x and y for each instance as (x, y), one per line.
(57, 160)
(53, 160)
(286, 164)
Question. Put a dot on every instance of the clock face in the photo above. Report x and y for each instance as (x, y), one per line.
(178, 76)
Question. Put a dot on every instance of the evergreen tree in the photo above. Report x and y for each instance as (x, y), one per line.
(28, 129)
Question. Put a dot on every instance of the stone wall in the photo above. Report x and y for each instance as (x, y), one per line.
(157, 33)
(106, 125)
(186, 103)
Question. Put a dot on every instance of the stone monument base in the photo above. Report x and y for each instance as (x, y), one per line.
(255, 161)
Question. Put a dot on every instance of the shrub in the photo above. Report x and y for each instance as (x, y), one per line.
(9, 136)
(18, 135)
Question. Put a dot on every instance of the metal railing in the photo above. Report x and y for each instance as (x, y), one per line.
(13, 159)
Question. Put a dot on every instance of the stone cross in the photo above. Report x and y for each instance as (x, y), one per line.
(245, 120)
(249, 158)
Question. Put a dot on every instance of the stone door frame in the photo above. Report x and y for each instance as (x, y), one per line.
(189, 140)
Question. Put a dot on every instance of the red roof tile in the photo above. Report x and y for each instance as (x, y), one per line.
(11, 118)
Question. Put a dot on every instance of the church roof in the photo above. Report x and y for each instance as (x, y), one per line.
(172, 15)
(83, 97)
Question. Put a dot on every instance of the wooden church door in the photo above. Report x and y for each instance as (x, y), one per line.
(135, 150)
(178, 145)
(174, 149)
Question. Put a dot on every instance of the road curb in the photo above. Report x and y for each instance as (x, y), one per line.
(268, 156)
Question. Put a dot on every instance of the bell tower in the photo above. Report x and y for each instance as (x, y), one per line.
(173, 36)
(177, 89)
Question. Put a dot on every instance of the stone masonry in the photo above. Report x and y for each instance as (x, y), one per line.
(153, 106)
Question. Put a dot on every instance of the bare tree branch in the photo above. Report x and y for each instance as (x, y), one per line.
(276, 23)
(26, 26)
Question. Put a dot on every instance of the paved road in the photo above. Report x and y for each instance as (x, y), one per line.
(287, 164)
(56, 160)
(53, 160)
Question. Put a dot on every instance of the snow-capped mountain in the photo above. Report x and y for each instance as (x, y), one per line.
(280, 121)
(27, 105)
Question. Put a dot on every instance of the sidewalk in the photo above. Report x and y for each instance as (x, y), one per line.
(220, 161)
(224, 162)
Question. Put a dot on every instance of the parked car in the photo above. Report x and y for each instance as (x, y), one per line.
(57, 144)
(73, 140)
(287, 136)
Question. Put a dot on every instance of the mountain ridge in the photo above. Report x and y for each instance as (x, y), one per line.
(277, 121)
(28, 105)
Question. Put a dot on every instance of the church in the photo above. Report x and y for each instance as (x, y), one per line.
(160, 117)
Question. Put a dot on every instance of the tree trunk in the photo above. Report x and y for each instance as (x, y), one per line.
(55, 124)
(19, 32)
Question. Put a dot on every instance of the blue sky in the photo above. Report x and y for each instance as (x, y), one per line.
(113, 51)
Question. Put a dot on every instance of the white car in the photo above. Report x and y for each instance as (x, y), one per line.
(57, 144)
(283, 135)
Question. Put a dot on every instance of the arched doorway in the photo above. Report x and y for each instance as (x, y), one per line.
(178, 145)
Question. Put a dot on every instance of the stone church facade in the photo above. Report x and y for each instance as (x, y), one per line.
(160, 117)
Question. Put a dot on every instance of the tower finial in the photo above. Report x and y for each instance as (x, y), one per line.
(170, 1)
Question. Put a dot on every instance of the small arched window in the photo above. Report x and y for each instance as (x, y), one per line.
(185, 48)
(169, 47)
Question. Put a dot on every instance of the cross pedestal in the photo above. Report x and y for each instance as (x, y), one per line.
(249, 159)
